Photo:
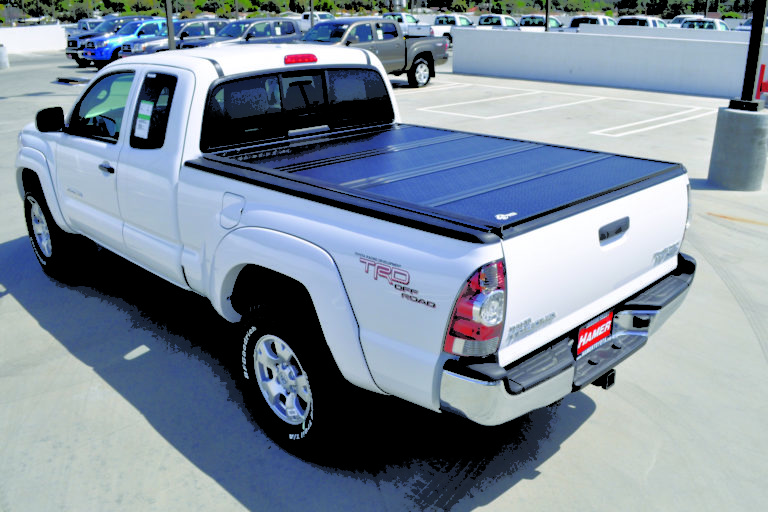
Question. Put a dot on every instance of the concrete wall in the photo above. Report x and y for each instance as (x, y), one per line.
(38, 38)
(668, 60)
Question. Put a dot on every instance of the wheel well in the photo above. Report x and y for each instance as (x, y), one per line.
(257, 287)
(30, 180)
(427, 57)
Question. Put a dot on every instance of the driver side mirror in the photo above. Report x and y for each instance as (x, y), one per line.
(353, 40)
(50, 119)
(183, 35)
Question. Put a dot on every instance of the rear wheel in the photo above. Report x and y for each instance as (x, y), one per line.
(289, 372)
(419, 74)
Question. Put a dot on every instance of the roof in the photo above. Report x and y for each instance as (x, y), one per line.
(238, 59)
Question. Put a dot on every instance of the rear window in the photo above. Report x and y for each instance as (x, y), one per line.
(263, 108)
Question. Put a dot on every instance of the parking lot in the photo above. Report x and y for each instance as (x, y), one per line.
(116, 394)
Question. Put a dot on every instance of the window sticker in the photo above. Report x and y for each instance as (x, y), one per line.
(143, 119)
(379, 33)
(277, 30)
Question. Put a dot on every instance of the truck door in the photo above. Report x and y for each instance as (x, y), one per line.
(389, 46)
(150, 167)
(88, 160)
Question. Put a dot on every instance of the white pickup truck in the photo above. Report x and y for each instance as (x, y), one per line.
(348, 247)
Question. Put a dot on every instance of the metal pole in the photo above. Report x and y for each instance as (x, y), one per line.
(749, 99)
(169, 21)
(546, 18)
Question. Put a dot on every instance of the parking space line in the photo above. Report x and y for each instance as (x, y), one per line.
(484, 100)
(510, 114)
(654, 124)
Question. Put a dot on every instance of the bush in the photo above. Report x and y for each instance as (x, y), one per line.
(730, 14)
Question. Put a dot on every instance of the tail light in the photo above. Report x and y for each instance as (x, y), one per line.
(477, 321)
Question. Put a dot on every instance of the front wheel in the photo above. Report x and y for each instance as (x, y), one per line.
(50, 244)
(288, 372)
(419, 74)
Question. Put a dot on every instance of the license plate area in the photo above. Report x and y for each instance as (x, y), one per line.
(594, 333)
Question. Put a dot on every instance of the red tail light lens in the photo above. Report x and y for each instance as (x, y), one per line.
(300, 58)
(477, 321)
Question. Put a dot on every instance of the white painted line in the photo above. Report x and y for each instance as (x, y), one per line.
(646, 121)
(540, 109)
(431, 88)
(655, 126)
(484, 100)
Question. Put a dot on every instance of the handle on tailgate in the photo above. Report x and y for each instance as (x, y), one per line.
(613, 230)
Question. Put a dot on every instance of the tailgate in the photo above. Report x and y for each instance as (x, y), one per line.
(569, 270)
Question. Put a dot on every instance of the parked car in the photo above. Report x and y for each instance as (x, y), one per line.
(274, 30)
(677, 21)
(642, 21)
(103, 50)
(306, 22)
(238, 32)
(410, 25)
(444, 22)
(747, 26)
(705, 24)
(592, 19)
(415, 57)
(181, 29)
(538, 21)
(76, 42)
(497, 21)
(86, 25)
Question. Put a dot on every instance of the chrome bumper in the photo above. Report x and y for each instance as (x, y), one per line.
(489, 403)
(491, 395)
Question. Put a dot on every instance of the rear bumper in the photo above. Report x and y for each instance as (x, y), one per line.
(489, 394)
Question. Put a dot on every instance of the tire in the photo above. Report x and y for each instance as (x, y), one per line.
(418, 75)
(81, 63)
(450, 40)
(51, 245)
(288, 371)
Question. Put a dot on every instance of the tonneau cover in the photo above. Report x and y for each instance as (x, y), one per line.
(490, 183)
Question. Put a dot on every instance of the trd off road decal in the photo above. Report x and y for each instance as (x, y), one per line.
(394, 275)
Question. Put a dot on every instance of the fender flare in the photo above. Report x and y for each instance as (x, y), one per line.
(311, 266)
(32, 160)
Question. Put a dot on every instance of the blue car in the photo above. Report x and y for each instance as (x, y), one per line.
(103, 50)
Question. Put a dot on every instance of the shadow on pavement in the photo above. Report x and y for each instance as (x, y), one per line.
(392, 456)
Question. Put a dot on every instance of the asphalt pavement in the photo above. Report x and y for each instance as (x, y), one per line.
(116, 393)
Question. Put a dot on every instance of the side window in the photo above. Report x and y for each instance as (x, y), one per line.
(195, 29)
(386, 31)
(150, 119)
(100, 112)
(260, 30)
(464, 22)
(362, 32)
(285, 28)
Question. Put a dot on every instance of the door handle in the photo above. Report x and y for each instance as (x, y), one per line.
(104, 166)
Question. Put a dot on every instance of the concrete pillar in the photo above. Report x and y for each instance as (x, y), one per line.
(739, 150)
(3, 57)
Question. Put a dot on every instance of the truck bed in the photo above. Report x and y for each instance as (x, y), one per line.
(464, 185)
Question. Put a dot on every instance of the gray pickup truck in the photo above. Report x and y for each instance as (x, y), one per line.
(417, 57)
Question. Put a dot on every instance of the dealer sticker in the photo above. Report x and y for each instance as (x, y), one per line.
(594, 333)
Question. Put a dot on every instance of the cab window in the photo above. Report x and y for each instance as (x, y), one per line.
(362, 33)
(386, 30)
(150, 118)
(99, 113)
